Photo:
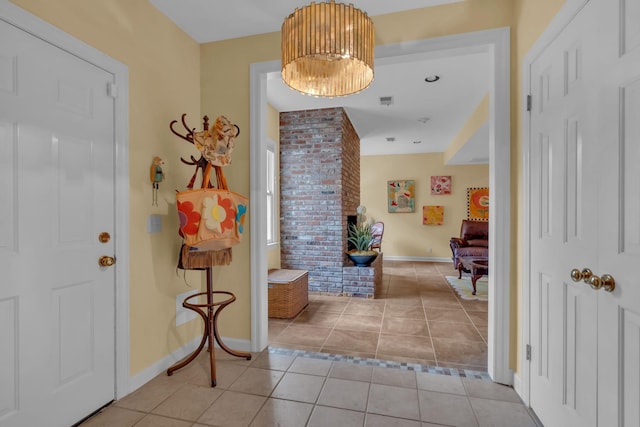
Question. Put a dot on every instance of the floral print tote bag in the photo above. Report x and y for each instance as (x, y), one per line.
(211, 219)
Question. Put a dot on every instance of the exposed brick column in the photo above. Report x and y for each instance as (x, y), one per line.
(319, 188)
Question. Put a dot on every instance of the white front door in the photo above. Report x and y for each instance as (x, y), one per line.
(585, 213)
(56, 197)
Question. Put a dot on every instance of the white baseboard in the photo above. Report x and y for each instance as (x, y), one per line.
(163, 364)
(517, 387)
(415, 258)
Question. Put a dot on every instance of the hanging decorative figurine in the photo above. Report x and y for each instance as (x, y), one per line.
(157, 176)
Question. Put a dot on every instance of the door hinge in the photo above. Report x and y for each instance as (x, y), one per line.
(112, 90)
(528, 352)
(528, 102)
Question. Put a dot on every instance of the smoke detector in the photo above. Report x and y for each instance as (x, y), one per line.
(386, 100)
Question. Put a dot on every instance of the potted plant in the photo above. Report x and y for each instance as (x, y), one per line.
(360, 236)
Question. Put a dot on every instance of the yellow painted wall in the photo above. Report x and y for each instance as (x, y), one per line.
(404, 234)
(161, 87)
(273, 132)
(225, 90)
(479, 116)
(165, 81)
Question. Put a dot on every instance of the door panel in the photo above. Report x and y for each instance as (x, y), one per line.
(619, 214)
(629, 18)
(57, 168)
(9, 356)
(630, 174)
(573, 182)
(8, 191)
(74, 332)
(601, 220)
(563, 234)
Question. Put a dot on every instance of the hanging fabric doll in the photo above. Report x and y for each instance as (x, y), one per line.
(157, 176)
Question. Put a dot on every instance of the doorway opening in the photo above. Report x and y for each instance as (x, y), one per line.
(496, 43)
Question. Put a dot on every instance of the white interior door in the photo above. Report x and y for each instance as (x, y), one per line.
(564, 178)
(56, 196)
(619, 217)
(585, 198)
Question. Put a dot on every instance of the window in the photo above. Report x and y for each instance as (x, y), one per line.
(272, 175)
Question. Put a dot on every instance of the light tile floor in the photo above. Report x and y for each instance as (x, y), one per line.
(287, 390)
(318, 386)
(420, 319)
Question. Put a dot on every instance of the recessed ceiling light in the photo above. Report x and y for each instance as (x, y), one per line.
(431, 79)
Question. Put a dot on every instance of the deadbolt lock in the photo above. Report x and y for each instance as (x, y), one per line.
(106, 261)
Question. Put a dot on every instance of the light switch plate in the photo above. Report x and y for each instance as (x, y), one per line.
(154, 224)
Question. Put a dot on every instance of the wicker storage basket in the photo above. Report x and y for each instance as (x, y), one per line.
(288, 292)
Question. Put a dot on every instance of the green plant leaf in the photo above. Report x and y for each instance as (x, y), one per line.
(361, 236)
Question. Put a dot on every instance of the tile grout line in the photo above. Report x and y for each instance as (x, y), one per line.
(333, 328)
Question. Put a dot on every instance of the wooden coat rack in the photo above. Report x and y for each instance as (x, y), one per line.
(210, 310)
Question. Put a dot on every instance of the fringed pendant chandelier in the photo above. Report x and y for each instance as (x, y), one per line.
(327, 49)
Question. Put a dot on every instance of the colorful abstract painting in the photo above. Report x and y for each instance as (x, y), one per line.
(401, 195)
(433, 215)
(478, 204)
(440, 184)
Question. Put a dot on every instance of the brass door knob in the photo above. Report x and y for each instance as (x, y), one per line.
(106, 261)
(608, 282)
(577, 275)
(595, 282)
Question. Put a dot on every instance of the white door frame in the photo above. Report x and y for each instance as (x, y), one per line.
(31, 24)
(522, 380)
(496, 43)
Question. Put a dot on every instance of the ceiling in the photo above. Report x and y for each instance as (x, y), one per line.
(424, 117)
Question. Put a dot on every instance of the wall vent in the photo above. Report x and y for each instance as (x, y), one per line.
(390, 139)
(386, 100)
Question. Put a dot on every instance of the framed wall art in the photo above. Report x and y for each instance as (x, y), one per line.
(440, 184)
(433, 215)
(478, 204)
(401, 196)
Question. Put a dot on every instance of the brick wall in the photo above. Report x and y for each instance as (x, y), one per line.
(319, 188)
(365, 282)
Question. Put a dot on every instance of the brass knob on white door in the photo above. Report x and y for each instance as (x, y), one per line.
(106, 261)
(595, 282)
(577, 275)
(606, 282)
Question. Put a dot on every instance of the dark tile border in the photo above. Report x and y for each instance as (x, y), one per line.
(364, 361)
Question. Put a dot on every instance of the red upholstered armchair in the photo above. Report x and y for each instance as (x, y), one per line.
(473, 242)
